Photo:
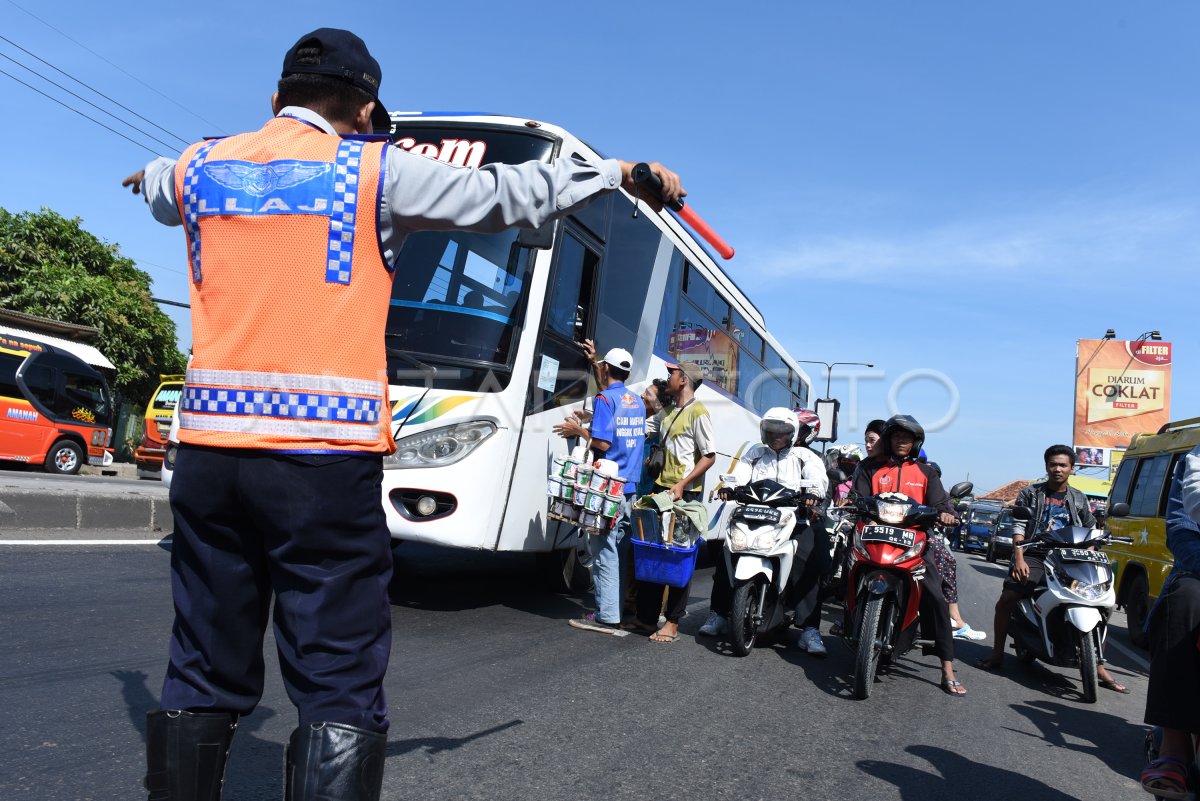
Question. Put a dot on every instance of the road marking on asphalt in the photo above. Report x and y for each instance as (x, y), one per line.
(1145, 665)
(81, 542)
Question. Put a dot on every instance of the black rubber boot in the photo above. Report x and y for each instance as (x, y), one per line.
(334, 762)
(186, 753)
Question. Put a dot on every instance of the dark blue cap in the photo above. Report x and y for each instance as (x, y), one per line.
(344, 56)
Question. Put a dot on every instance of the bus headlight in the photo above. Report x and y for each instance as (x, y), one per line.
(439, 447)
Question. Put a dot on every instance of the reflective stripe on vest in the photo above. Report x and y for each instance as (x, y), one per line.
(282, 405)
(191, 216)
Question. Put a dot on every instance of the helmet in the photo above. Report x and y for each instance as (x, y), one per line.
(809, 426)
(777, 420)
(849, 453)
(902, 422)
(936, 468)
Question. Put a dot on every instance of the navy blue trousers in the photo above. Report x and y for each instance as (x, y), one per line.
(308, 530)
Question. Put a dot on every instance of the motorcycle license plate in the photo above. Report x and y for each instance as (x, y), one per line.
(894, 536)
(1082, 555)
(760, 514)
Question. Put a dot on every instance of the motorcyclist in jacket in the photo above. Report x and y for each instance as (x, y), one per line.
(775, 458)
(899, 471)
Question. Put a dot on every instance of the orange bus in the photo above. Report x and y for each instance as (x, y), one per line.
(157, 424)
(55, 410)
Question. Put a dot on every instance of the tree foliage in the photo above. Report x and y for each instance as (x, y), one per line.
(50, 266)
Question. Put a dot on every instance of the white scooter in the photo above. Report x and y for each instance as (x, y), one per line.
(1065, 622)
(760, 554)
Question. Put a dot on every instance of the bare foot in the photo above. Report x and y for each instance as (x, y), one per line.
(668, 633)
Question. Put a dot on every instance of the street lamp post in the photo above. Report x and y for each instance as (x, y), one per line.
(828, 382)
(829, 370)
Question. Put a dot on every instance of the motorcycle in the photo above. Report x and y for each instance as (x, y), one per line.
(1065, 622)
(883, 596)
(761, 556)
(839, 527)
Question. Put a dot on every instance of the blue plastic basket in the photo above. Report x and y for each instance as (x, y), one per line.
(664, 564)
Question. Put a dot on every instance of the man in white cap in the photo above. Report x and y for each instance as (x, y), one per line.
(618, 433)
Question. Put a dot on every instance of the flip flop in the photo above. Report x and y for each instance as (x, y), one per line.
(1165, 777)
(953, 687)
(1115, 686)
(663, 639)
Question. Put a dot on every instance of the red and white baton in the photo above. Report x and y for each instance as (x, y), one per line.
(642, 174)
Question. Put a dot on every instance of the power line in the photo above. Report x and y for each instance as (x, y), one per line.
(90, 103)
(80, 113)
(159, 266)
(120, 69)
(185, 142)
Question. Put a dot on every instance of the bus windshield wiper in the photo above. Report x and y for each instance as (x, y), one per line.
(413, 360)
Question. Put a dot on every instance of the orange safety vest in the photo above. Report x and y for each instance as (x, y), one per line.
(907, 478)
(289, 292)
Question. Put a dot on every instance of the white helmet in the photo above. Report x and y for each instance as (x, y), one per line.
(777, 421)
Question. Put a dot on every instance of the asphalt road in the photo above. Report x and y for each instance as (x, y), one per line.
(493, 696)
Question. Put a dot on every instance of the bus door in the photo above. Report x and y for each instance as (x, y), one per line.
(561, 380)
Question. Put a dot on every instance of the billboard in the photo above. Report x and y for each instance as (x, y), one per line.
(1122, 388)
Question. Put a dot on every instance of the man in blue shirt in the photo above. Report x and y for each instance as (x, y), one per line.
(618, 433)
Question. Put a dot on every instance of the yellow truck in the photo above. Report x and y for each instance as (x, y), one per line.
(1142, 481)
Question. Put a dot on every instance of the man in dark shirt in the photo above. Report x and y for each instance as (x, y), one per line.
(1055, 504)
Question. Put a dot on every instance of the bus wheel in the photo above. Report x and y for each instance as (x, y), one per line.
(564, 571)
(65, 458)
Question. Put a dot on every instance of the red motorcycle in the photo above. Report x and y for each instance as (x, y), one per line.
(883, 592)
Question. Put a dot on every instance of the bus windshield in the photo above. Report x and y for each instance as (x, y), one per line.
(167, 396)
(458, 298)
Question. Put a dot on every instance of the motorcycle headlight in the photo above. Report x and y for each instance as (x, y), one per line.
(1091, 592)
(892, 513)
(765, 541)
(439, 447)
(737, 539)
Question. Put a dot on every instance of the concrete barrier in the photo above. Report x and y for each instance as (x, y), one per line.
(95, 506)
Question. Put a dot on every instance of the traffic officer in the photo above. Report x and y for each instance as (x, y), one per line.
(292, 231)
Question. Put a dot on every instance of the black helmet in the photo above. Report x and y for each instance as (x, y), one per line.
(902, 422)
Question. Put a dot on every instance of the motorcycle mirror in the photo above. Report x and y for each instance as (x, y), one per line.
(1022, 513)
(836, 475)
(961, 490)
(1118, 510)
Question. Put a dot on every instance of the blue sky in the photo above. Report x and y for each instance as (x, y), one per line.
(965, 188)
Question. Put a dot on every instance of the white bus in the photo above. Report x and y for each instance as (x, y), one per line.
(482, 345)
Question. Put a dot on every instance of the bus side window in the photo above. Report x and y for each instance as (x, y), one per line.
(625, 277)
(670, 304)
(8, 375)
(560, 370)
(42, 383)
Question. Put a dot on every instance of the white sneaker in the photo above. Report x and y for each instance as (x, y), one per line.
(714, 626)
(810, 640)
(968, 633)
